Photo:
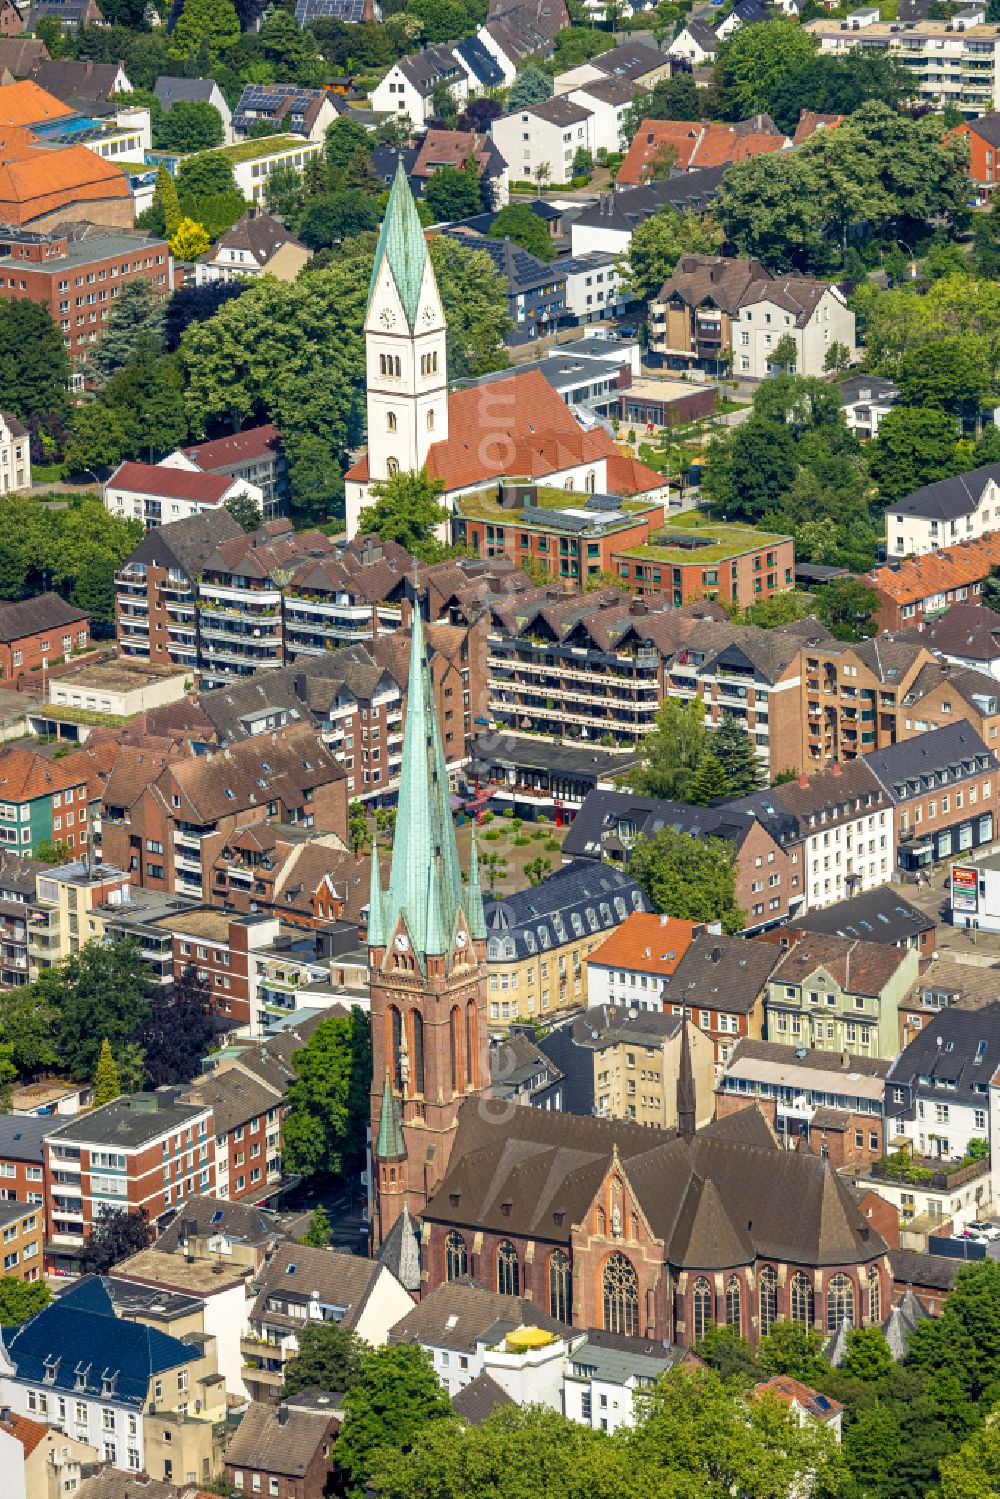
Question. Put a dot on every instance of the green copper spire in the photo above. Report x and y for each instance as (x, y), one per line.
(376, 918)
(474, 895)
(425, 886)
(391, 1145)
(401, 240)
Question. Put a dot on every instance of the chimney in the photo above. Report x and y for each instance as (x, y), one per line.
(803, 779)
(282, 1415)
(836, 768)
(664, 920)
(845, 1059)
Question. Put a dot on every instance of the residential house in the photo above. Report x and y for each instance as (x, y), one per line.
(155, 493)
(695, 43)
(823, 1101)
(406, 90)
(74, 273)
(190, 1298)
(146, 1401)
(15, 455)
(965, 635)
(256, 245)
(22, 1239)
(306, 112)
(636, 63)
(61, 906)
(629, 966)
(620, 1064)
(144, 1151)
(660, 147)
(17, 891)
(712, 308)
(744, 13)
(536, 289)
(247, 1113)
(300, 1285)
(22, 1158)
(938, 1091)
(944, 983)
(609, 223)
(171, 91)
(38, 1462)
(943, 787)
(82, 82)
(852, 696)
(286, 1450)
(256, 455)
(606, 1370)
(769, 883)
(839, 994)
(538, 940)
(40, 632)
(214, 1230)
(518, 29)
(39, 802)
(880, 915)
(964, 57)
(943, 692)
(453, 148)
(70, 14)
(866, 400)
(807, 1406)
(961, 509)
(722, 983)
(609, 100)
(167, 821)
(541, 141)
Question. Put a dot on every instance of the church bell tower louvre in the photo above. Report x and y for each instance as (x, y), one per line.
(427, 974)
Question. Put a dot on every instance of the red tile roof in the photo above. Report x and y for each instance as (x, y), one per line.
(916, 578)
(24, 774)
(255, 442)
(697, 144)
(171, 483)
(28, 1433)
(789, 1390)
(647, 944)
(36, 179)
(26, 103)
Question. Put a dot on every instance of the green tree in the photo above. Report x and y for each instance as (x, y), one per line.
(848, 608)
(208, 26)
(343, 138)
(106, 1085)
(965, 1340)
(26, 1024)
(784, 355)
(709, 781)
(21, 1299)
(750, 60)
(34, 366)
(52, 851)
(359, 834)
(114, 1235)
(97, 994)
(837, 358)
(190, 125)
(165, 197)
(334, 217)
(676, 98)
(734, 752)
(454, 193)
(914, 447)
(671, 752)
(329, 1358)
(208, 173)
(407, 509)
(868, 1356)
(790, 1348)
(396, 1399)
(246, 512)
(518, 223)
(320, 1231)
(283, 192)
(974, 1470)
(317, 1130)
(989, 596)
(134, 322)
(8, 1077)
(583, 162)
(531, 86)
(441, 19)
(658, 243)
(474, 294)
(951, 375)
(179, 1031)
(693, 879)
(725, 1351)
(536, 870)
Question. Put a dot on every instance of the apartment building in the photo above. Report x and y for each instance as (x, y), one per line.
(839, 994)
(943, 786)
(41, 631)
(950, 62)
(963, 508)
(938, 1088)
(983, 137)
(539, 940)
(76, 274)
(253, 161)
(247, 1114)
(828, 1102)
(144, 1151)
(255, 454)
(286, 1451)
(22, 1158)
(701, 560)
(545, 137)
(40, 802)
(852, 696)
(712, 310)
(154, 493)
(721, 982)
(915, 589)
(22, 1239)
(165, 818)
(59, 920)
(943, 693)
(218, 948)
(629, 966)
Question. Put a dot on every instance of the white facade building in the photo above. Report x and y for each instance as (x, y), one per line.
(951, 62)
(158, 493)
(15, 455)
(939, 515)
(545, 137)
(814, 329)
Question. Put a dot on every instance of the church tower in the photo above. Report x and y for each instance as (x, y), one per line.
(427, 974)
(405, 342)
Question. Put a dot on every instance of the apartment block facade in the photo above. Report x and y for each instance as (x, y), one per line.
(840, 994)
(852, 696)
(950, 62)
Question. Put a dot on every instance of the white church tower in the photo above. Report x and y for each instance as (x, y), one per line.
(406, 361)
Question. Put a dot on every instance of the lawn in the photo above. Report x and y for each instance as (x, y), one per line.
(723, 541)
(514, 846)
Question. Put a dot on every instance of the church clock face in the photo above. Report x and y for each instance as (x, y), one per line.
(387, 318)
(402, 943)
(461, 939)
(428, 315)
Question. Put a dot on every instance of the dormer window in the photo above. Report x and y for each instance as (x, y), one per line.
(51, 1369)
(108, 1383)
(81, 1373)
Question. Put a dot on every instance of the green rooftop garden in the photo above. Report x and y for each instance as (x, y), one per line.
(484, 505)
(715, 541)
(268, 145)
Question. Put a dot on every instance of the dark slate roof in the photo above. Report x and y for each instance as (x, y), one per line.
(131, 1120)
(458, 1314)
(935, 1271)
(571, 903)
(867, 388)
(295, 1272)
(21, 1139)
(172, 91)
(625, 209)
(968, 631)
(559, 110)
(960, 1048)
(939, 758)
(477, 1401)
(988, 128)
(608, 821)
(400, 1251)
(81, 1331)
(484, 65)
(948, 499)
(751, 12)
(279, 1439)
(721, 1198)
(188, 543)
(520, 269)
(720, 973)
(881, 915)
(46, 612)
(703, 35)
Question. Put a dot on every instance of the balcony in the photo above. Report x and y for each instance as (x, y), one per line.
(254, 1347)
(274, 1378)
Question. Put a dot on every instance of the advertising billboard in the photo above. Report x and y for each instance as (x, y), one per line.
(964, 889)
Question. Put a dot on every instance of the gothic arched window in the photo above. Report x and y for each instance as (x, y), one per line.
(560, 1286)
(768, 1299)
(733, 1308)
(839, 1303)
(456, 1051)
(390, 421)
(471, 1044)
(396, 1044)
(416, 1051)
(803, 1301)
(620, 1286)
(701, 1301)
(456, 1257)
(508, 1270)
(874, 1297)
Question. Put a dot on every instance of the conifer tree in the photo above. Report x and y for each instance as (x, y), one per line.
(166, 196)
(734, 751)
(709, 780)
(106, 1085)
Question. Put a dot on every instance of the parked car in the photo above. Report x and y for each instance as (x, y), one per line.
(982, 1230)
